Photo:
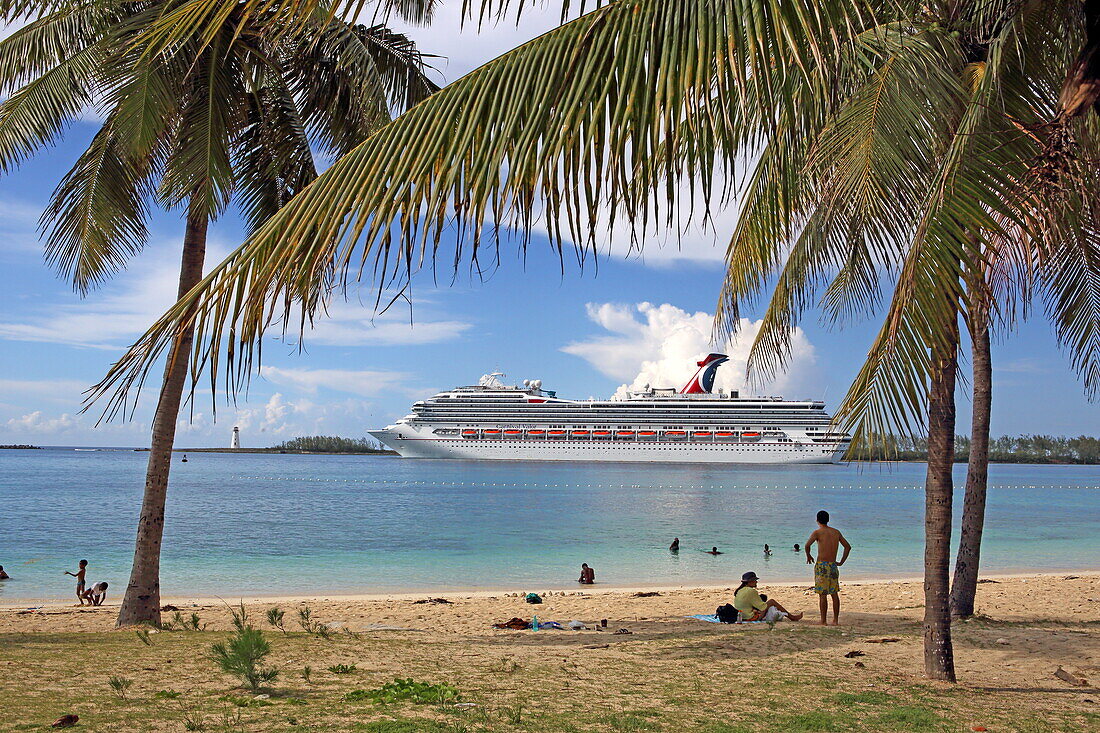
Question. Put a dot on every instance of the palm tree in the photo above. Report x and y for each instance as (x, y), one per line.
(964, 584)
(230, 117)
(890, 141)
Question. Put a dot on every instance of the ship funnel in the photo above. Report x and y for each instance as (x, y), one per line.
(703, 380)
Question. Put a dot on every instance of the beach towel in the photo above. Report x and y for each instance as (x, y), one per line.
(711, 618)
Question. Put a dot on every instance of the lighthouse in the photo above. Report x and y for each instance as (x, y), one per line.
(236, 444)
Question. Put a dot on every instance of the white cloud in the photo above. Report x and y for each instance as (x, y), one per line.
(281, 418)
(360, 382)
(659, 345)
(37, 423)
(114, 315)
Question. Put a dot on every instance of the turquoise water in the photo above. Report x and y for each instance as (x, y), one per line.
(249, 524)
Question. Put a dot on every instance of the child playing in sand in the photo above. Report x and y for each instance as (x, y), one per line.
(79, 575)
(827, 569)
(753, 607)
(96, 594)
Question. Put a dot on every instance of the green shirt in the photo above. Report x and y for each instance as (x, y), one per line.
(748, 601)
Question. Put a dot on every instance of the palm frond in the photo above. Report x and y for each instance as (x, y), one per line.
(96, 218)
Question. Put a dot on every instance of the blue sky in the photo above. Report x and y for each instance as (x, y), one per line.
(585, 333)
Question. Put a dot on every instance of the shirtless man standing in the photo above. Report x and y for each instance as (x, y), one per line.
(826, 573)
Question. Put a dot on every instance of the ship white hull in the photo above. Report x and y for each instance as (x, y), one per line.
(410, 443)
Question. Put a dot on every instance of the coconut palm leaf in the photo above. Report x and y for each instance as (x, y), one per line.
(96, 220)
(597, 115)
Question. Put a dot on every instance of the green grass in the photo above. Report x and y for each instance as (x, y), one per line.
(634, 687)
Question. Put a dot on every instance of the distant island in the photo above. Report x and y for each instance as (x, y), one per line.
(21, 447)
(1082, 450)
(324, 444)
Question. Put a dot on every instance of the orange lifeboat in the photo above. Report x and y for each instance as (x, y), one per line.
(751, 435)
(624, 433)
(536, 433)
(469, 433)
(725, 435)
(647, 434)
(556, 433)
(601, 433)
(492, 431)
(513, 433)
(701, 434)
(580, 433)
(676, 434)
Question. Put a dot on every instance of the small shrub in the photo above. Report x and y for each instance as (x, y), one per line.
(119, 685)
(306, 672)
(421, 693)
(342, 668)
(275, 618)
(193, 720)
(166, 694)
(305, 620)
(243, 653)
(143, 636)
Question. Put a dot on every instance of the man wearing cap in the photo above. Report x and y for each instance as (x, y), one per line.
(752, 607)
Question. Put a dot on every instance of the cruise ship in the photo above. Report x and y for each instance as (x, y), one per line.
(491, 420)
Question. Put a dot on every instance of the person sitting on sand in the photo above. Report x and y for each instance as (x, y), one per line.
(767, 551)
(588, 575)
(3, 575)
(675, 546)
(96, 594)
(713, 551)
(827, 569)
(81, 571)
(753, 607)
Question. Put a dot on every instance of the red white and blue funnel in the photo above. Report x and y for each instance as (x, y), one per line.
(703, 380)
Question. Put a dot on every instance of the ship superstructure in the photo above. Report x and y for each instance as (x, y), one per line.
(492, 420)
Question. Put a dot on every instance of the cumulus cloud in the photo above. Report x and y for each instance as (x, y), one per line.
(659, 345)
(38, 423)
(281, 417)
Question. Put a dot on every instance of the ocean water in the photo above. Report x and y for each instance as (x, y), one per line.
(255, 524)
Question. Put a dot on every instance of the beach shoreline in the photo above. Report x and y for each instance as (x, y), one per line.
(573, 589)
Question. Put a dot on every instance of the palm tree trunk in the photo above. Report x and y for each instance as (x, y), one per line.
(964, 586)
(939, 659)
(141, 604)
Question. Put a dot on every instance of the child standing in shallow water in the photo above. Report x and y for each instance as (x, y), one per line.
(81, 572)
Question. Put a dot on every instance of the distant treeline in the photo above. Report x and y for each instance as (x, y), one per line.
(20, 447)
(331, 444)
(1005, 449)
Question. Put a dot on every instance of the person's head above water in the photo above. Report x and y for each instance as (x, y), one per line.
(823, 517)
(714, 549)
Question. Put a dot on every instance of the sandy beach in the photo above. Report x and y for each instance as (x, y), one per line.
(1027, 628)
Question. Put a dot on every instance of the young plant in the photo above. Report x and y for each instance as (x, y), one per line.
(275, 618)
(119, 685)
(342, 668)
(306, 672)
(305, 620)
(143, 635)
(243, 653)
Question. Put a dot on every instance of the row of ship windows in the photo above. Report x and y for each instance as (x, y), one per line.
(574, 446)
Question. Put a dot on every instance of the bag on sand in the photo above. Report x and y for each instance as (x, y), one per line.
(726, 614)
(534, 598)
